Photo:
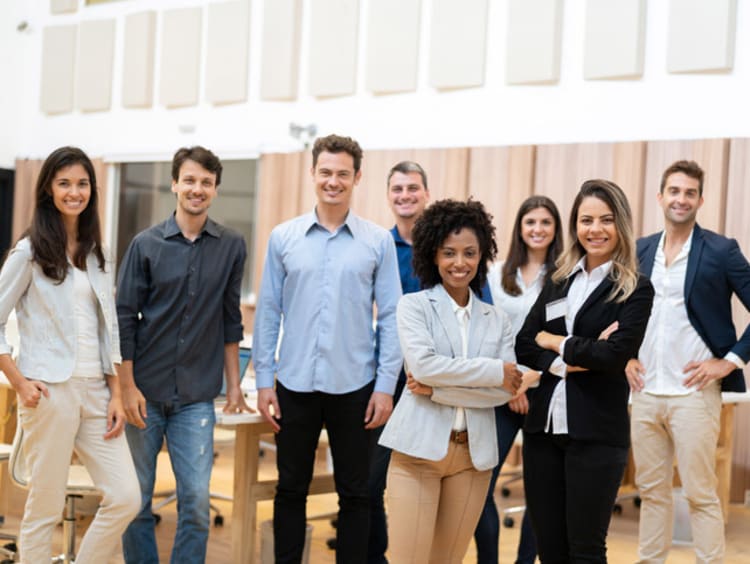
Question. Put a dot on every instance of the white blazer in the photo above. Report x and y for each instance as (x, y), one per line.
(420, 426)
(46, 320)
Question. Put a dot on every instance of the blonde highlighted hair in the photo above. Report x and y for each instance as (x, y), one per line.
(624, 271)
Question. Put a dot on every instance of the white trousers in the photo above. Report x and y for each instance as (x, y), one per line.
(74, 417)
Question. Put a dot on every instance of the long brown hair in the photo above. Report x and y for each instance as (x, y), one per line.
(518, 253)
(47, 233)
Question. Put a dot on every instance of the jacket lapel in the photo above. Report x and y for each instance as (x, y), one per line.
(441, 302)
(694, 258)
(648, 256)
(478, 326)
(604, 287)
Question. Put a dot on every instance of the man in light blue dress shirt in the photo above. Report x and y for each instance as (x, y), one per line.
(323, 273)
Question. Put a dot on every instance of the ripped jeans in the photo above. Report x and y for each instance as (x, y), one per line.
(190, 442)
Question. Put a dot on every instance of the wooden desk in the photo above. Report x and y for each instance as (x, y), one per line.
(248, 489)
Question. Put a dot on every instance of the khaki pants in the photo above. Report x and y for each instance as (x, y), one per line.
(685, 427)
(74, 417)
(433, 506)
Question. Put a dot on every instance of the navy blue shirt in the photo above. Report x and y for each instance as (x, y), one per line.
(178, 303)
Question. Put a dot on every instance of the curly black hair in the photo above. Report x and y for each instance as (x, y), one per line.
(440, 220)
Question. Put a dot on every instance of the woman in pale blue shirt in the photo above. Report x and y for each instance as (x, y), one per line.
(61, 286)
(515, 283)
(458, 352)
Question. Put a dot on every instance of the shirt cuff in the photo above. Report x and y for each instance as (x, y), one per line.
(562, 345)
(731, 357)
(558, 367)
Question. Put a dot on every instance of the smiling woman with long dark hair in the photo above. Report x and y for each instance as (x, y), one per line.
(588, 321)
(61, 286)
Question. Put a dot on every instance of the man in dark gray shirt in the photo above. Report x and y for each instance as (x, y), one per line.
(178, 298)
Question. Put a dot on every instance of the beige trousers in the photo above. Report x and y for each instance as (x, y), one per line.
(74, 417)
(433, 506)
(685, 427)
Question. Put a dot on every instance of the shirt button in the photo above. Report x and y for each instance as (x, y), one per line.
(192, 293)
(182, 341)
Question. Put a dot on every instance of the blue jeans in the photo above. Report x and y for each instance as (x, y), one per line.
(487, 533)
(189, 430)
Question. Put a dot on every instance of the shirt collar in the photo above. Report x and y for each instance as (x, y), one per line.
(685, 247)
(351, 222)
(600, 271)
(397, 236)
(466, 308)
(171, 228)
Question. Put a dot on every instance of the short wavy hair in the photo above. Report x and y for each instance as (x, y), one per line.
(433, 227)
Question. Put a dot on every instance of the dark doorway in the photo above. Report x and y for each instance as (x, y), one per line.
(7, 178)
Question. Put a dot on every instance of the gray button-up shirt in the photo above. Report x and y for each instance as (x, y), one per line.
(178, 303)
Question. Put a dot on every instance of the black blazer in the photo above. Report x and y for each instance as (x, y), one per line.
(716, 269)
(597, 400)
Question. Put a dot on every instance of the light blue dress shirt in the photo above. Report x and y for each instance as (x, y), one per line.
(319, 287)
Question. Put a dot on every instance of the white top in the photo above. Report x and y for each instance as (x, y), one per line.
(671, 341)
(463, 317)
(580, 289)
(515, 307)
(88, 363)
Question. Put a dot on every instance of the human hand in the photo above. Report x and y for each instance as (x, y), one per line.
(378, 410)
(416, 387)
(115, 418)
(634, 371)
(701, 374)
(134, 405)
(511, 378)
(604, 335)
(236, 401)
(519, 404)
(549, 341)
(31, 391)
(268, 400)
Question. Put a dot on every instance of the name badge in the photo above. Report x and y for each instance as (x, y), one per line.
(558, 308)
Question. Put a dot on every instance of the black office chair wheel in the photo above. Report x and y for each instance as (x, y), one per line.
(617, 509)
(157, 518)
(335, 523)
(637, 501)
(218, 520)
(508, 522)
(505, 492)
(331, 543)
(11, 547)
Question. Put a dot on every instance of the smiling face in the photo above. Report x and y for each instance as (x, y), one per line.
(596, 231)
(334, 178)
(538, 229)
(407, 194)
(680, 199)
(71, 190)
(195, 188)
(457, 260)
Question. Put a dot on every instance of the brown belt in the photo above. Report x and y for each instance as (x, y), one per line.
(459, 437)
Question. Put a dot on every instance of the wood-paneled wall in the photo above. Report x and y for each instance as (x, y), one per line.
(502, 177)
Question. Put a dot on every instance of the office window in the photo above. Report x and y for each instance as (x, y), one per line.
(146, 199)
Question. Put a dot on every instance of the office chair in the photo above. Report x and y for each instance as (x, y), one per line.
(9, 551)
(79, 485)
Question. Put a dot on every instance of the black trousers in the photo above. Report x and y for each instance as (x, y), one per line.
(302, 417)
(571, 488)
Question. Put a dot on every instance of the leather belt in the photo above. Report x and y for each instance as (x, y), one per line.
(459, 437)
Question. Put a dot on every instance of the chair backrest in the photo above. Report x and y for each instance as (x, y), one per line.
(17, 468)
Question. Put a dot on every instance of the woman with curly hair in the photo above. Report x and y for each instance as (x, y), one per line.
(588, 321)
(459, 354)
(61, 286)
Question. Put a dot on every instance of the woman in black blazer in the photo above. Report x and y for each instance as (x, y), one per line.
(588, 321)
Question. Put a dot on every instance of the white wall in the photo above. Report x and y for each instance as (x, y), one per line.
(657, 106)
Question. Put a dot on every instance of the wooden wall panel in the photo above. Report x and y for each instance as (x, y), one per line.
(181, 34)
(94, 68)
(227, 52)
(280, 49)
(561, 169)
(458, 43)
(332, 51)
(58, 68)
(534, 41)
(279, 185)
(138, 60)
(738, 227)
(701, 35)
(502, 178)
(615, 38)
(712, 155)
(393, 45)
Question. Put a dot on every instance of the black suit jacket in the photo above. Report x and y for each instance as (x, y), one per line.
(716, 269)
(597, 399)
